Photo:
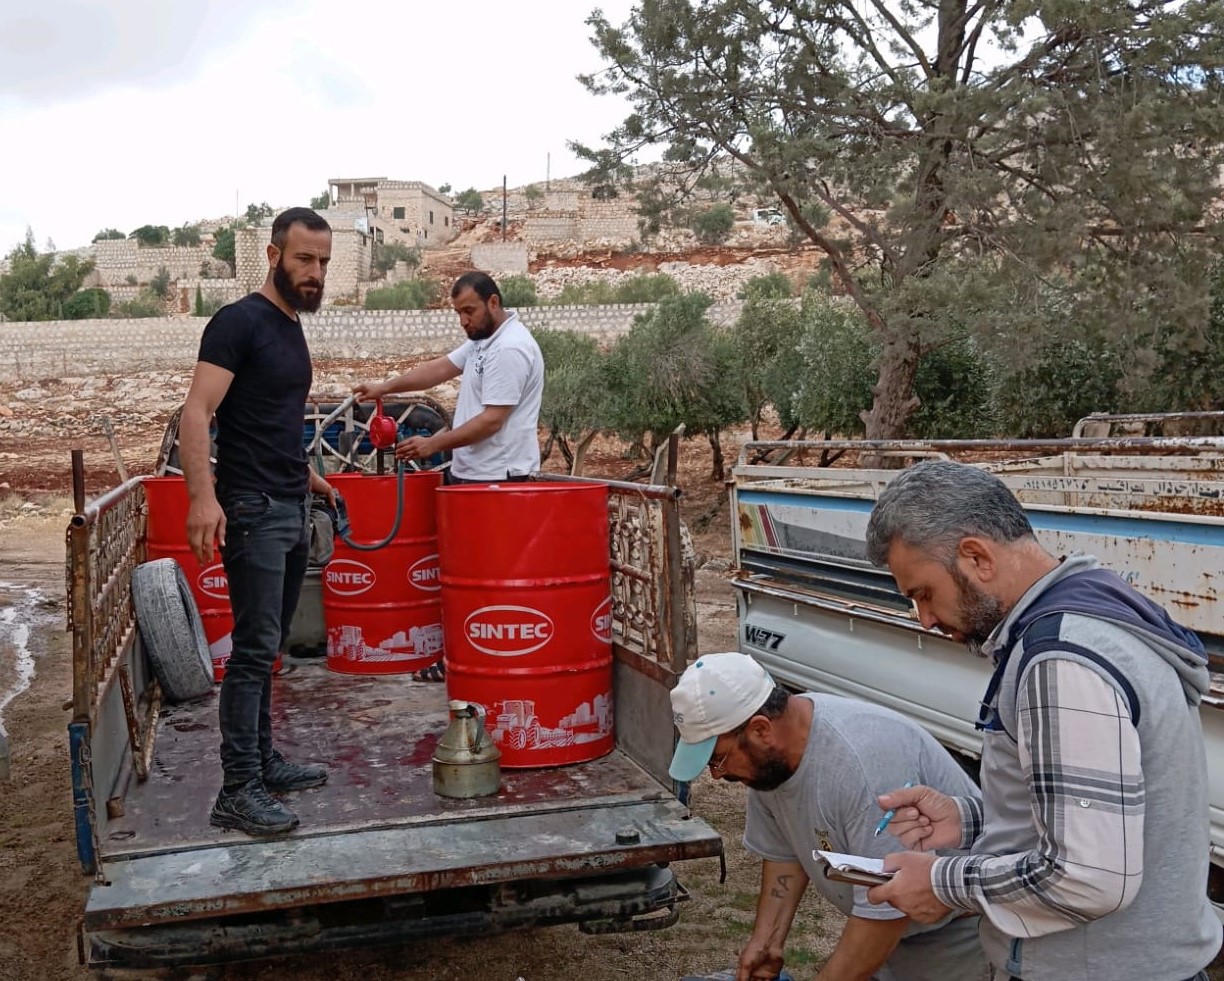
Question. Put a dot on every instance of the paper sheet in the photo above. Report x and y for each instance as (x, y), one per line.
(857, 862)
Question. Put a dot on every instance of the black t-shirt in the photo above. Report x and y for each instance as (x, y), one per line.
(259, 422)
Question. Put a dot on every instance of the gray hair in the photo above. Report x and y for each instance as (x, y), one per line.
(934, 504)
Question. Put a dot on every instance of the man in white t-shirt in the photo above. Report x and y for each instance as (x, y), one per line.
(494, 434)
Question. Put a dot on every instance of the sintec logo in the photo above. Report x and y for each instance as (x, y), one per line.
(344, 577)
(601, 622)
(212, 581)
(508, 631)
(425, 574)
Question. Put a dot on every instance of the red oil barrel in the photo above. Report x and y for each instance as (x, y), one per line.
(167, 539)
(526, 607)
(383, 609)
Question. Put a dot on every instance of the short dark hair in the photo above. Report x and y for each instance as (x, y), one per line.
(297, 216)
(481, 283)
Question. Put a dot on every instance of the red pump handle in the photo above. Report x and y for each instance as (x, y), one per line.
(383, 430)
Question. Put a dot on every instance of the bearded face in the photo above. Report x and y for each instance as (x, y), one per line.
(979, 612)
(303, 293)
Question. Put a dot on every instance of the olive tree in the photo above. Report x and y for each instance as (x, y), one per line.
(572, 407)
(675, 367)
(954, 160)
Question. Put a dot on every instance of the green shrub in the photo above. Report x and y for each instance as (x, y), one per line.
(223, 246)
(713, 225)
(1067, 380)
(152, 236)
(597, 291)
(87, 304)
(829, 381)
(643, 288)
(774, 286)
(107, 234)
(160, 283)
(646, 288)
(386, 255)
(518, 291)
(186, 235)
(469, 202)
(412, 294)
(955, 385)
(674, 366)
(146, 303)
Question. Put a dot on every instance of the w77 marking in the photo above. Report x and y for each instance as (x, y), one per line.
(766, 640)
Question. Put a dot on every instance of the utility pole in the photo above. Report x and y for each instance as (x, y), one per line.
(504, 209)
(548, 171)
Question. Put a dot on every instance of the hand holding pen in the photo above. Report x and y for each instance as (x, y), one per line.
(920, 818)
(889, 814)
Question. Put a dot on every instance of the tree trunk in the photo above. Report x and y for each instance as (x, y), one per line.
(563, 445)
(580, 453)
(546, 452)
(893, 399)
(718, 471)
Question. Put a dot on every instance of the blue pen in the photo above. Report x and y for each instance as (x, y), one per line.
(889, 814)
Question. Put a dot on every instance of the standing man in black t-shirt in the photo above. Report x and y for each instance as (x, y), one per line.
(254, 375)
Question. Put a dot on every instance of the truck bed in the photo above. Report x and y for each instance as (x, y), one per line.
(376, 828)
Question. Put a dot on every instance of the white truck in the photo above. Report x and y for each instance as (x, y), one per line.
(820, 617)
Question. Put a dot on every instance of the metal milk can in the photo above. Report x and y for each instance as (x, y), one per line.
(466, 763)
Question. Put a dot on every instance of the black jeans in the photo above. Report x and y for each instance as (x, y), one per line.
(266, 545)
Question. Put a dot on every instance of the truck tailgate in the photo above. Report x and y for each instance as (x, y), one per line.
(376, 828)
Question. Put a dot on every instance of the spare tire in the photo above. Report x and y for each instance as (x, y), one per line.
(172, 630)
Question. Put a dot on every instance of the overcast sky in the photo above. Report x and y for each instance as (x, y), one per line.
(119, 113)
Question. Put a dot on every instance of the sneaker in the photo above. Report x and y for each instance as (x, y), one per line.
(250, 808)
(280, 775)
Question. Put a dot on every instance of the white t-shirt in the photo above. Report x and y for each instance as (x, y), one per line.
(505, 369)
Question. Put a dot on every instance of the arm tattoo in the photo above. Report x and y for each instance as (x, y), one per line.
(781, 886)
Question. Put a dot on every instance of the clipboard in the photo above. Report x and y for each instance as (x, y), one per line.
(857, 870)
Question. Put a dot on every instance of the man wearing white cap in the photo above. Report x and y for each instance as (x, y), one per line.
(814, 765)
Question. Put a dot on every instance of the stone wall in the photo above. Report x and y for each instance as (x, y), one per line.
(57, 348)
(183, 294)
(498, 258)
(544, 229)
(117, 259)
(350, 265)
(251, 257)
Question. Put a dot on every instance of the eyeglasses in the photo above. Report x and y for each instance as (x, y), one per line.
(720, 765)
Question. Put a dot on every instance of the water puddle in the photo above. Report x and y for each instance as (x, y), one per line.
(20, 608)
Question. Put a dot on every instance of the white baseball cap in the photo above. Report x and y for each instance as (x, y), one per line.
(716, 693)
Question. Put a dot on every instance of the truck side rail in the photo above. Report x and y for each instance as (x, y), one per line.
(1168, 445)
(115, 699)
(654, 612)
